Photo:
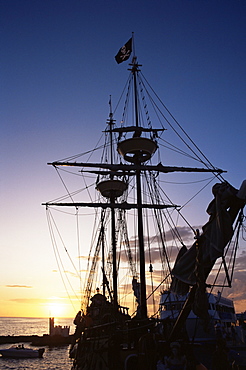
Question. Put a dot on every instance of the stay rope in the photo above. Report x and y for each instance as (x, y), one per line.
(59, 262)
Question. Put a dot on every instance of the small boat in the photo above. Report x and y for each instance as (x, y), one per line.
(21, 352)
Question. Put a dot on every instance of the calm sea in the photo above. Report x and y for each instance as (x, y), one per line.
(53, 358)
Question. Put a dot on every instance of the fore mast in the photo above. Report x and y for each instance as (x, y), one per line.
(112, 189)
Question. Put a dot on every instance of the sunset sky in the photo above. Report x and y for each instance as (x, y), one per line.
(57, 71)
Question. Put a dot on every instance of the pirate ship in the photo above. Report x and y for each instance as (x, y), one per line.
(139, 229)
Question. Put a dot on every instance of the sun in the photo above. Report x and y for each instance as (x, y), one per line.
(55, 308)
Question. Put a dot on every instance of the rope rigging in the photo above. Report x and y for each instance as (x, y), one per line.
(58, 258)
(161, 231)
(207, 162)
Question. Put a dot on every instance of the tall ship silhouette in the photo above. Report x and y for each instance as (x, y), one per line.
(140, 185)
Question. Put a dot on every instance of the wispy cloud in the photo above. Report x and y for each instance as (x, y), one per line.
(29, 300)
(184, 232)
(18, 286)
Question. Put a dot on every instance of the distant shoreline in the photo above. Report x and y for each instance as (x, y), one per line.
(36, 340)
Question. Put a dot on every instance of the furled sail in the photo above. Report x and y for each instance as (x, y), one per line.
(217, 232)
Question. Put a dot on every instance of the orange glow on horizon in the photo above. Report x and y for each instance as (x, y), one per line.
(38, 308)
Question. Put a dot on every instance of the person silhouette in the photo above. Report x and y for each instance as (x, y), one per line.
(176, 361)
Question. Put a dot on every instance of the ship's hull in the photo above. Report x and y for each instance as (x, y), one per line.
(115, 346)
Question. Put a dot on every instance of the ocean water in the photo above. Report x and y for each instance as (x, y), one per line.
(53, 358)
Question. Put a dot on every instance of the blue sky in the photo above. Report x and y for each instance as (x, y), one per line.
(57, 72)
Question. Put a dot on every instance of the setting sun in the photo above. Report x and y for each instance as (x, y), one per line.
(56, 308)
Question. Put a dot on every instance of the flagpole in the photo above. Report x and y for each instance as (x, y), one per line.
(133, 47)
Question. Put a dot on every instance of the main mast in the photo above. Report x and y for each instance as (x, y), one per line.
(143, 303)
(137, 150)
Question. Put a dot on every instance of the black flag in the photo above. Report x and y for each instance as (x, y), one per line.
(124, 52)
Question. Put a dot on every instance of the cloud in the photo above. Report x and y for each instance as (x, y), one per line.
(73, 274)
(83, 258)
(241, 261)
(18, 286)
(155, 241)
(40, 301)
(29, 300)
(155, 253)
(184, 232)
(238, 290)
(89, 258)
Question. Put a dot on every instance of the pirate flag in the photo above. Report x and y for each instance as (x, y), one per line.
(124, 52)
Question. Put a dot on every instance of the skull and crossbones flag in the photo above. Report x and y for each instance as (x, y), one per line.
(124, 52)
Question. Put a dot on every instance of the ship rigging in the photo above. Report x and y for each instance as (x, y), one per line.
(135, 216)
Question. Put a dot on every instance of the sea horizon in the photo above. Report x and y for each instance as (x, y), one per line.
(30, 325)
(37, 317)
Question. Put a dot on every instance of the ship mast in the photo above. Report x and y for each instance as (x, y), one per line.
(112, 189)
(112, 201)
(143, 303)
(138, 150)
